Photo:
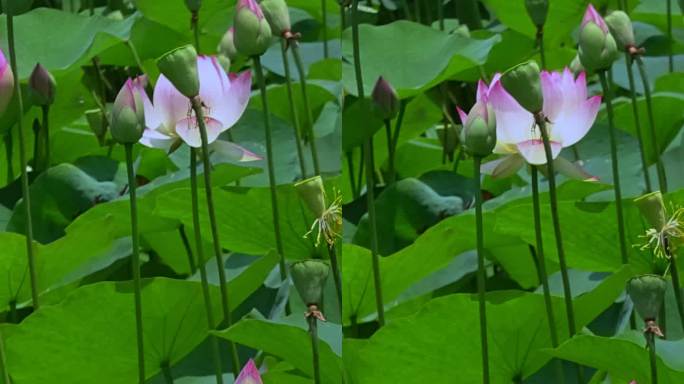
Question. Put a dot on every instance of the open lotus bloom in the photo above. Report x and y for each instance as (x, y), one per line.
(249, 374)
(569, 114)
(170, 118)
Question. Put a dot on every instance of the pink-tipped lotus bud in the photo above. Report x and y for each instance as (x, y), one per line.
(597, 48)
(249, 374)
(42, 86)
(479, 130)
(180, 67)
(128, 116)
(278, 16)
(6, 83)
(252, 32)
(385, 99)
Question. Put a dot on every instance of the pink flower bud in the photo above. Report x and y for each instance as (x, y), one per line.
(249, 374)
(591, 15)
(252, 6)
(6, 83)
(42, 86)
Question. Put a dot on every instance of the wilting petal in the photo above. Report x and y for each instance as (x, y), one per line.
(533, 151)
(249, 374)
(235, 100)
(171, 106)
(189, 131)
(224, 151)
(503, 167)
(514, 124)
(573, 123)
(572, 170)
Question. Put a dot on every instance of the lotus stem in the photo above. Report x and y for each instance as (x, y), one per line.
(481, 271)
(218, 254)
(324, 14)
(188, 249)
(9, 158)
(337, 275)
(541, 268)
(607, 92)
(135, 261)
(650, 345)
(166, 372)
(293, 108)
(3, 363)
(440, 14)
(553, 198)
(540, 43)
(670, 60)
(307, 106)
(368, 160)
(211, 325)
(25, 192)
(662, 180)
(637, 123)
(313, 331)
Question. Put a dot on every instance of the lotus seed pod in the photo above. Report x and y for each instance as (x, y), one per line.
(312, 192)
(537, 10)
(309, 278)
(653, 209)
(647, 293)
(524, 84)
(252, 32)
(128, 116)
(385, 99)
(42, 86)
(277, 15)
(180, 67)
(620, 27)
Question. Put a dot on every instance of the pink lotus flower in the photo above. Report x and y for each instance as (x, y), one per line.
(6, 83)
(591, 15)
(249, 374)
(171, 118)
(569, 116)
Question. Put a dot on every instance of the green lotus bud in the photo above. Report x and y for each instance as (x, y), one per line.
(311, 191)
(385, 99)
(448, 137)
(576, 65)
(180, 67)
(309, 278)
(479, 130)
(277, 15)
(597, 49)
(97, 123)
(653, 209)
(224, 61)
(620, 27)
(227, 45)
(193, 5)
(537, 10)
(522, 82)
(647, 293)
(252, 32)
(42, 86)
(128, 115)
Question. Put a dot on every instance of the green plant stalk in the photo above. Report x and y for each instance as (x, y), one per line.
(368, 161)
(674, 273)
(670, 62)
(337, 275)
(218, 254)
(211, 324)
(4, 374)
(481, 272)
(8, 156)
(362, 164)
(440, 14)
(540, 43)
(350, 169)
(543, 277)
(313, 331)
(407, 10)
(324, 21)
(417, 12)
(166, 372)
(45, 135)
(134, 53)
(195, 31)
(293, 108)
(608, 96)
(650, 341)
(307, 106)
(637, 123)
(188, 249)
(390, 154)
(343, 17)
(22, 161)
(395, 141)
(135, 261)
(662, 180)
(553, 198)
